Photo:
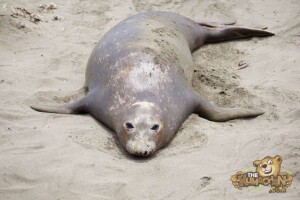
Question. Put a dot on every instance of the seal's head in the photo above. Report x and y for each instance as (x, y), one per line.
(141, 129)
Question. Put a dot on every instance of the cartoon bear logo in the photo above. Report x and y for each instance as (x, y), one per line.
(267, 173)
(268, 166)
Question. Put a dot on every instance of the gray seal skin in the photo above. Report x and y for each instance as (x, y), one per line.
(138, 79)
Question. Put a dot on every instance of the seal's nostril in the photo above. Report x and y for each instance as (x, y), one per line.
(148, 145)
(145, 153)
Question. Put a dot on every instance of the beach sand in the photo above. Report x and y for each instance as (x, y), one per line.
(70, 157)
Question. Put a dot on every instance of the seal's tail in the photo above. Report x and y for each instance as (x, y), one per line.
(232, 33)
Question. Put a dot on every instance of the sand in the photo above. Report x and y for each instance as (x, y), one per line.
(53, 156)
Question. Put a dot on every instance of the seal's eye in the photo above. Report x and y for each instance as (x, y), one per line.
(155, 127)
(270, 162)
(129, 126)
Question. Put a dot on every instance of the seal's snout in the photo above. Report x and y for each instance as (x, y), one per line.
(140, 146)
(141, 153)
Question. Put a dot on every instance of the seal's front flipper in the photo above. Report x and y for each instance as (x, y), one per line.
(70, 108)
(75, 103)
(212, 112)
(74, 96)
(232, 33)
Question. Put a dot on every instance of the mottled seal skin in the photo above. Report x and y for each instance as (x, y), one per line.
(138, 79)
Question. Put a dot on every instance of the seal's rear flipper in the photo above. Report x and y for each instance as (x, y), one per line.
(212, 112)
(216, 24)
(232, 33)
(71, 108)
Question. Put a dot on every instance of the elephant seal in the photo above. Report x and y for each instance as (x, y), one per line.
(138, 79)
